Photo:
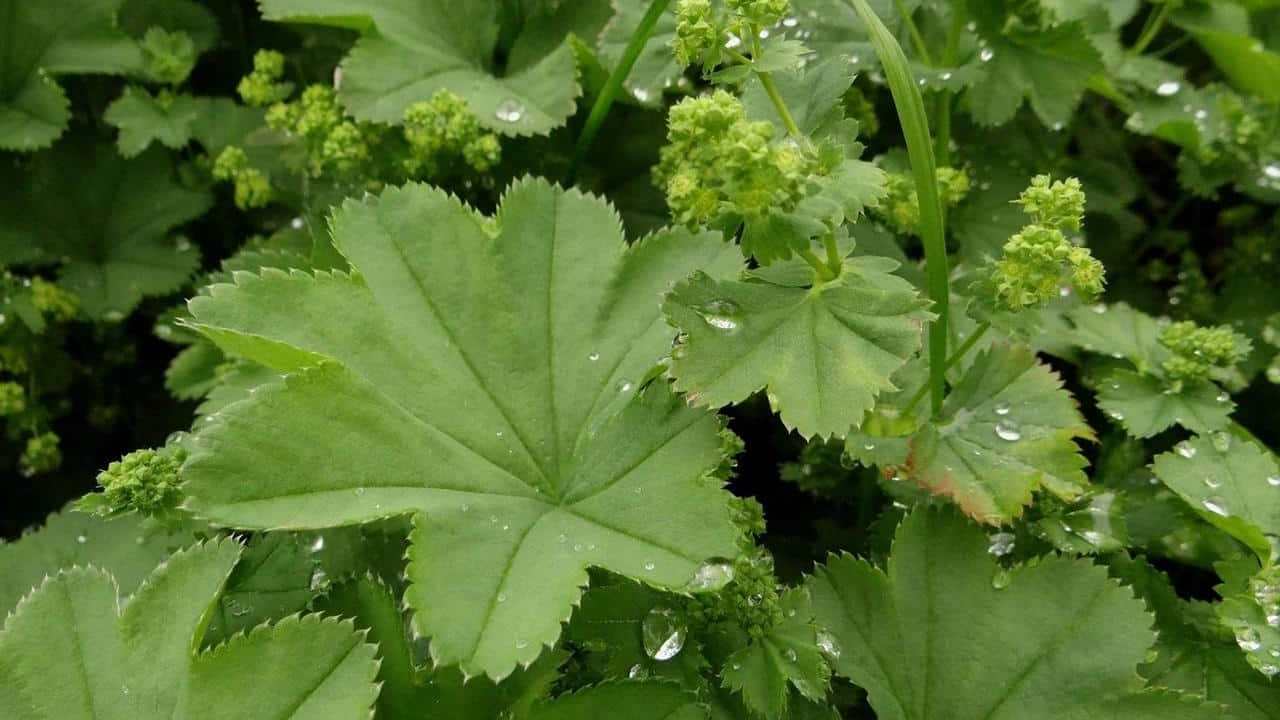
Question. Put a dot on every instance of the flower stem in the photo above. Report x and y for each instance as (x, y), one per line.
(1155, 23)
(824, 273)
(612, 86)
(766, 81)
(915, 129)
(960, 352)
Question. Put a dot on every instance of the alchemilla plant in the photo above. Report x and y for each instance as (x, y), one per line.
(640, 359)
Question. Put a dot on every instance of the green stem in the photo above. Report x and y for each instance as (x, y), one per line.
(1155, 23)
(609, 93)
(960, 352)
(766, 81)
(944, 103)
(916, 38)
(824, 273)
(915, 129)
(834, 261)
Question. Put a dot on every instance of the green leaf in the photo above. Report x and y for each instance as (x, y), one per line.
(1223, 31)
(411, 49)
(469, 378)
(105, 219)
(1146, 405)
(143, 119)
(1007, 430)
(788, 655)
(612, 617)
(1049, 68)
(1254, 616)
(823, 354)
(188, 16)
(623, 701)
(194, 371)
(1120, 332)
(933, 637)
(41, 39)
(78, 652)
(1232, 482)
(272, 580)
(125, 546)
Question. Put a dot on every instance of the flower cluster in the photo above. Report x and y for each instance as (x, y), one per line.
(749, 601)
(13, 399)
(440, 131)
(1037, 261)
(42, 454)
(169, 56)
(759, 12)
(332, 143)
(144, 481)
(252, 186)
(900, 207)
(719, 165)
(52, 301)
(262, 87)
(697, 39)
(1199, 351)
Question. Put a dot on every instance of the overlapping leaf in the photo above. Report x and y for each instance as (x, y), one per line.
(1231, 482)
(1007, 430)
(787, 656)
(823, 353)
(932, 637)
(143, 119)
(409, 49)
(624, 701)
(42, 39)
(71, 651)
(104, 220)
(123, 546)
(487, 380)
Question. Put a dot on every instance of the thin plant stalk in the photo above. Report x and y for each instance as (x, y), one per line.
(612, 86)
(915, 128)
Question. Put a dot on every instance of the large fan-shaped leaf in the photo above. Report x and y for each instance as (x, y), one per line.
(412, 48)
(38, 39)
(624, 701)
(934, 637)
(104, 219)
(74, 652)
(823, 353)
(487, 383)
(1006, 431)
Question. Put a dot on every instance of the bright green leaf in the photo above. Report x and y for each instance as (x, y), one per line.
(624, 701)
(1007, 430)
(1146, 405)
(558, 462)
(823, 354)
(787, 656)
(933, 637)
(78, 652)
(411, 49)
(143, 119)
(1231, 482)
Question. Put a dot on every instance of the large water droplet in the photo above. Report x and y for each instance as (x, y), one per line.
(1273, 480)
(509, 110)
(1007, 430)
(828, 645)
(986, 54)
(721, 315)
(1001, 544)
(663, 633)
(1249, 640)
(1216, 505)
(712, 575)
(1186, 450)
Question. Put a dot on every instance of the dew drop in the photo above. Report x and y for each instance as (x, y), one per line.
(986, 55)
(1273, 480)
(1216, 505)
(828, 645)
(1168, 88)
(1000, 580)
(522, 644)
(790, 22)
(1272, 171)
(791, 655)
(1007, 430)
(637, 672)
(649, 566)
(721, 315)
(509, 110)
(1212, 483)
(640, 94)
(82, 539)
(502, 597)
(1002, 544)
(1223, 397)
(712, 575)
(317, 545)
(1249, 640)
(1002, 408)
(1221, 442)
(1186, 450)
(663, 633)
(593, 356)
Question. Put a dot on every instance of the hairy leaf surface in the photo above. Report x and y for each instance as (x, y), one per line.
(488, 384)
(823, 354)
(931, 637)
